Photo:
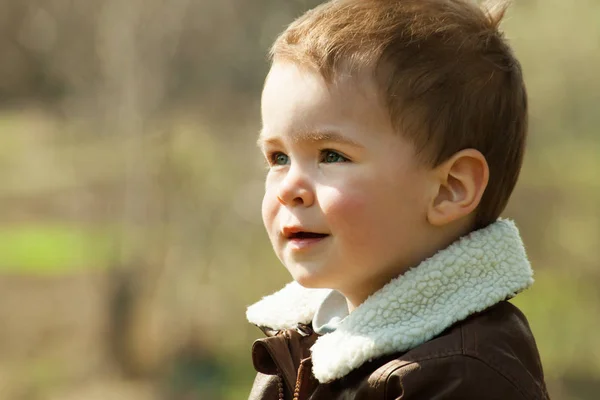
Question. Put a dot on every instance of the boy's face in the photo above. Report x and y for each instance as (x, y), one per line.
(346, 198)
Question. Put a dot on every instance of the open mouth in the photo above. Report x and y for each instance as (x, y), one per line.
(306, 235)
(300, 240)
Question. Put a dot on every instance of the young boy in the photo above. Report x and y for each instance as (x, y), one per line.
(394, 132)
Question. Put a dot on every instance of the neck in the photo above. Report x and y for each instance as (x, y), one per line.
(438, 239)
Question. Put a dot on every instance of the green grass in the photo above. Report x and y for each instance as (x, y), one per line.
(52, 248)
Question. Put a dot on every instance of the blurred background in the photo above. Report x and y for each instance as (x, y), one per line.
(130, 186)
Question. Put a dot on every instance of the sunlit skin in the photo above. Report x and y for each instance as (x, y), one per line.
(348, 204)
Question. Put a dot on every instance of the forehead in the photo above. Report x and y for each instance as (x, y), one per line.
(299, 98)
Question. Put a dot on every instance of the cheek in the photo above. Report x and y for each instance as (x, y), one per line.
(342, 207)
(269, 208)
(372, 215)
(349, 213)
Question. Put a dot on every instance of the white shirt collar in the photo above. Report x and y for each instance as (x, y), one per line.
(330, 313)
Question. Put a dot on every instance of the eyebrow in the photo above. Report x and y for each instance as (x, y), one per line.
(310, 136)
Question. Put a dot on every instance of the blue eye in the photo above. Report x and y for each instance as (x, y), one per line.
(279, 158)
(330, 156)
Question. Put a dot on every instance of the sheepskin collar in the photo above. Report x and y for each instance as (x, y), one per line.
(472, 274)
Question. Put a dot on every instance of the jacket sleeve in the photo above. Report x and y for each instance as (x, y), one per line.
(452, 377)
(264, 387)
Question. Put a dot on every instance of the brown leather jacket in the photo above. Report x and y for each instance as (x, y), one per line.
(442, 330)
(490, 355)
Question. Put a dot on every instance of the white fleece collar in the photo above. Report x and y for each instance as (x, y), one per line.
(474, 273)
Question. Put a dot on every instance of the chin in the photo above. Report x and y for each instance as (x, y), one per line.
(309, 279)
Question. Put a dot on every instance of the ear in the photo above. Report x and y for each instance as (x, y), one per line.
(460, 183)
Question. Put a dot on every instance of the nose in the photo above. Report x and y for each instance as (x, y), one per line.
(296, 189)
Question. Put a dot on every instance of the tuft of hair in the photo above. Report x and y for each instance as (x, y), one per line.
(495, 10)
(445, 73)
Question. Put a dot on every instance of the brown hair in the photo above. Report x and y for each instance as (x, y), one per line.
(448, 78)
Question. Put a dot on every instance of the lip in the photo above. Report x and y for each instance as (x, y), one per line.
(301, 243)
(298, 244)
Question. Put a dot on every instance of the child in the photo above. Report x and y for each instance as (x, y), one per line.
(394, 132)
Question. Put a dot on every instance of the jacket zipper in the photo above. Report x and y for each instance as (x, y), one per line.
(280, 394)
(298, 382)
(299, 376)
